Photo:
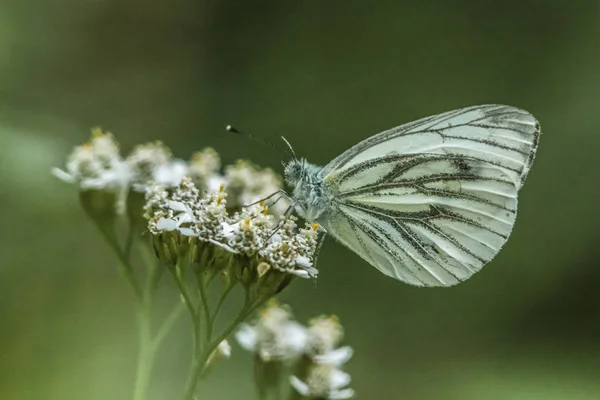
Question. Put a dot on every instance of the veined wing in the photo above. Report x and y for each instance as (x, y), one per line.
(432, 201)
(502, 135)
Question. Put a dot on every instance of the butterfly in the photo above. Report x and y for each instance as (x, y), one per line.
(429, 202)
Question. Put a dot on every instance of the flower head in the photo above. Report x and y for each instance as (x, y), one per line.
(171, 210)
(324, 382)
(203, 169)
(274, 335)
(95, 164)
(324, 334)
(246, 184)
(259, 256)
(153, 162)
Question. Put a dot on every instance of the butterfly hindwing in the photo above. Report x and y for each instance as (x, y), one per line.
(432, 201)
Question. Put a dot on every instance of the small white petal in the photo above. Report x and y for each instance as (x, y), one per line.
(113, 177)
(184, 218)
(336, 357)
(303, 261)
(177, 206)
(95, 183)
(247, 336)
(305, 272)
(139, 187)
(166, 224)
(63, 175)
(276, 238)
(123, 171)
(228, 229)
(300, 386)
(214, 182)
(223, 246)
(342, 394)
(300, 273)
(312, 271)
(224, 348)
(187, 232)
(338, 379)
(295, 336)
(266, 355)
(170, 174)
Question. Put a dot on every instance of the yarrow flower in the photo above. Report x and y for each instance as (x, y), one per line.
(324, 382)
(154, 162)
(275, 338)
(319, 374)
(249, 247)
(95, 164)
(101, 176)
(185, 223)
(203, 169)
(247, 184)
(200, 231)
(274, 335)
(98, 165)
(324, 335)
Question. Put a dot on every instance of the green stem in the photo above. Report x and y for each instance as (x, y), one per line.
(146, 351)
(148, 346)
(187, 299)
(195, 314)
(205, 310)
(129, 240)
(247, 310)
(221, 301)
(168, 324)
(148, 257)
(146, 354)
(202, 318)
(125, 266)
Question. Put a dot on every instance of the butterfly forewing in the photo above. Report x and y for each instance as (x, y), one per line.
(432, 201)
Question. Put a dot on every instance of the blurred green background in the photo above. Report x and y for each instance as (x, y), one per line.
(325, 75)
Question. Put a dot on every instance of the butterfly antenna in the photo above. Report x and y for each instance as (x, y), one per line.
(290, 147)
(231, 129)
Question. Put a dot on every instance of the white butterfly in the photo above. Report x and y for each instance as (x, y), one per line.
(429, 202)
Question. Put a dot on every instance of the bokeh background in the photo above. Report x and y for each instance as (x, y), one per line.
(325, 75)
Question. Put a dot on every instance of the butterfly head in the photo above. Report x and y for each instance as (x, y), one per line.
(294, 171)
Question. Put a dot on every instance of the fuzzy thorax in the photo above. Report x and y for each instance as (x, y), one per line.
(310, 200)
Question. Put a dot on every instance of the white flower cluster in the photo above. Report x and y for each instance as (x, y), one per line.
(276, 336)
(95, 164)
(99, 165)
(246, 183)
(249, 233)
(154, 162)
(324, 377)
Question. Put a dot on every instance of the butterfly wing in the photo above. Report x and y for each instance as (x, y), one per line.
(432, 201)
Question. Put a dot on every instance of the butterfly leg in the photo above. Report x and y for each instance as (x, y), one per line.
(286, 216)
(270, 205)
(323, 232)
(275, 201)
(281, 192)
